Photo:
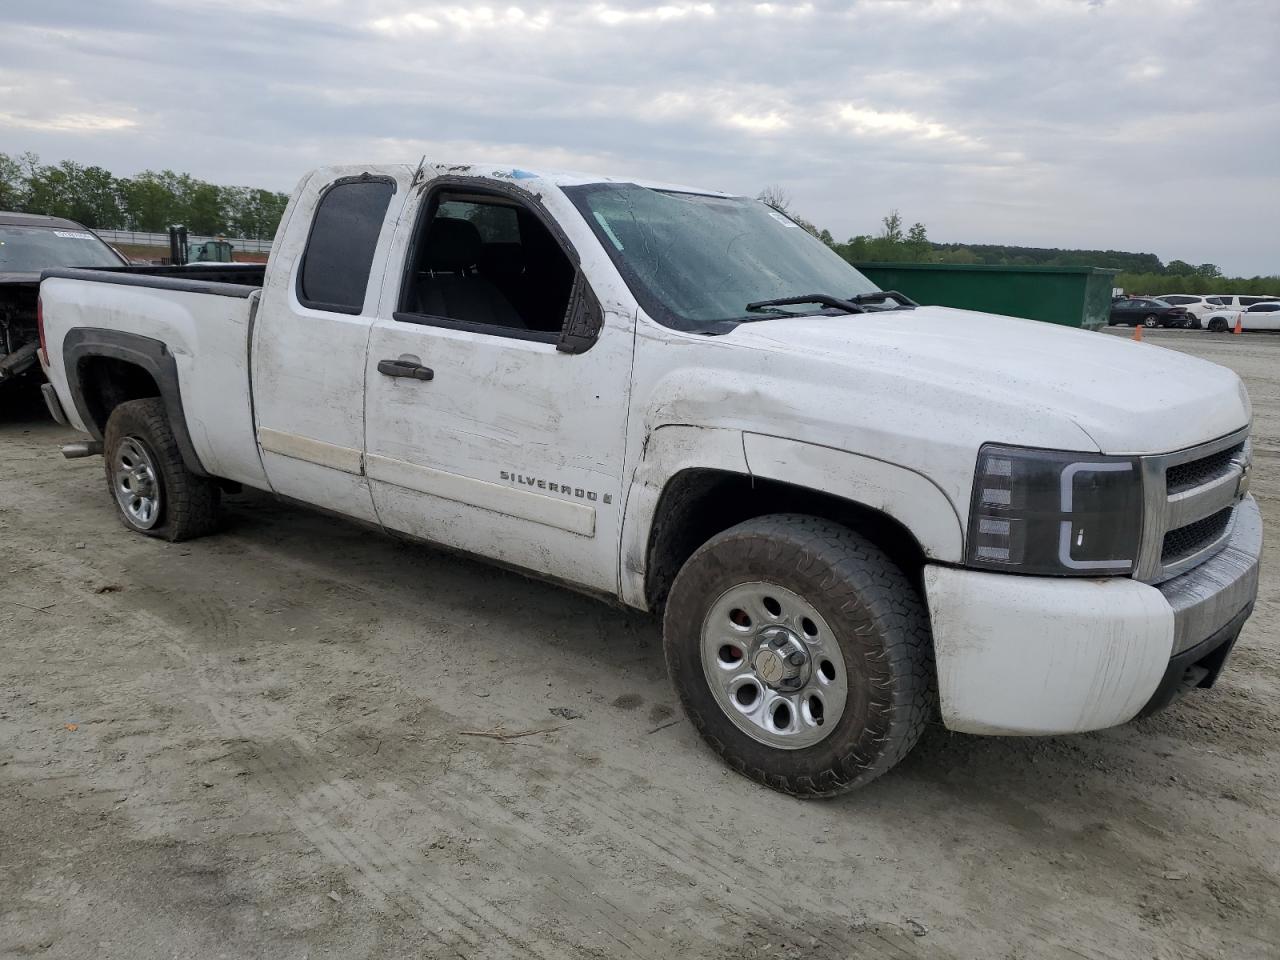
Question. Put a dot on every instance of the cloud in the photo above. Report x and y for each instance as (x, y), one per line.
(896, 123)
(67, 122)
(433, 19)
(615, 16)
(1049, 122)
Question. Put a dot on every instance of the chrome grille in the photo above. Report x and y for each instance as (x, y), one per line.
(1190, 500)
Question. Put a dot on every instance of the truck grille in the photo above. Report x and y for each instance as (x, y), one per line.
(1190, 500)
(1185, 541)
(1184, 476)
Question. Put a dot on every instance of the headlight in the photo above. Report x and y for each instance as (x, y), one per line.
(1054, 512)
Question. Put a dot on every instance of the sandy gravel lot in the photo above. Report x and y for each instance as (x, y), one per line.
(260, 745)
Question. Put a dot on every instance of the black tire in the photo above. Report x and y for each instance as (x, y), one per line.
(877, 617)
(1150, 321)
(1195, 323)
(1217, 325)
(187, 503)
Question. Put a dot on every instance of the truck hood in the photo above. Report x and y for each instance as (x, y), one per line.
(1127, 397)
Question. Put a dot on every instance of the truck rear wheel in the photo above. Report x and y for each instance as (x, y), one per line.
(801, 653)
(154, 492)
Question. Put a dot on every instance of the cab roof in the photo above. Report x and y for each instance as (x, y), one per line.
(521, 176)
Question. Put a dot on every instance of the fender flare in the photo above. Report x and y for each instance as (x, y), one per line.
(85, 343)
(908, 497)
(669, 450)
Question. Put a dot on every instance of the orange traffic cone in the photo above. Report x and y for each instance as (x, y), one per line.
(1137, 333)
(1239, 326)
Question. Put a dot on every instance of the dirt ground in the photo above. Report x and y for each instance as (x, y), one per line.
(264, 744)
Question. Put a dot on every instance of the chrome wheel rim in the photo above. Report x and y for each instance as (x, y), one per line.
(773, 665)
(135, 483)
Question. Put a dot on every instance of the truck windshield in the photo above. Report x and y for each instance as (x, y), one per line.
(693, 260)
(32, 249)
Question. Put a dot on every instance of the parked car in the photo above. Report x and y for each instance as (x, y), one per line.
(848, 510)
(1199, 307)
(30, 243)
(1231, 302)
(1149, 312)
(1260, 316)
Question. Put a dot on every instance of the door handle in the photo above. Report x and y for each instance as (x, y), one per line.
(405, 368)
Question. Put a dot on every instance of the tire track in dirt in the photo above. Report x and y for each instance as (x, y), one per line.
(294, 762)
(306, 816)
(767, 918)
(707, 862)
(320, 801)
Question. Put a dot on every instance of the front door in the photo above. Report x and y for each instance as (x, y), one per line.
(482, 433)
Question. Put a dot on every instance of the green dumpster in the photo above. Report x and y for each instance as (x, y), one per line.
(1073, 296)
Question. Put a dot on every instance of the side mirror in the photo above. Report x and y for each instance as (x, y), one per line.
(583, 320)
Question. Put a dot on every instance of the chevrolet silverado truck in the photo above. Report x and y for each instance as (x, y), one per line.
(853, 514)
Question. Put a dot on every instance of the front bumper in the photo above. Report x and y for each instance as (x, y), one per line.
(1038, 655)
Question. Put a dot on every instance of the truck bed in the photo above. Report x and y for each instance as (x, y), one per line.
(193, 323)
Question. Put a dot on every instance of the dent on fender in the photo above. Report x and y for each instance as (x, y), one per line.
(912, 499)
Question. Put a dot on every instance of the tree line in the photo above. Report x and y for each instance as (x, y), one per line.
(149, 201)
(1139, 272)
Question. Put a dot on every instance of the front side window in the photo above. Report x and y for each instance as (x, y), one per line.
(490, 264)
(344, 234)
(693, 260)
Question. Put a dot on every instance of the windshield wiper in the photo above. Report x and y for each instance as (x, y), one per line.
(880, 296)
(848, 306)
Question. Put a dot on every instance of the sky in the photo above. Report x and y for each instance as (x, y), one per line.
(1142, 125)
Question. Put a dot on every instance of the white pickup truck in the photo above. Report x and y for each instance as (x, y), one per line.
(852, 513)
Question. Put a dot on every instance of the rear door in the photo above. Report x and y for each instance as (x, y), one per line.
(1263, 316)
(312, 334)
(484, 433)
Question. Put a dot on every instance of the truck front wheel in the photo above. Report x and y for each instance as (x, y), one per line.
(149, 483)
(801, 653)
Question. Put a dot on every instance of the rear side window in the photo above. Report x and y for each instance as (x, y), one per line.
(496, 224)
(339, 254)
(1250, 301)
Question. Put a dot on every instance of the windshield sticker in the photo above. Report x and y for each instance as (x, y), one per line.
(783, 220)
(604, 225)
(72, 235)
